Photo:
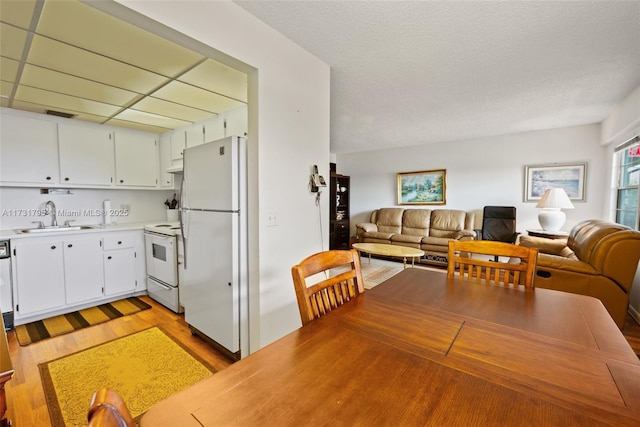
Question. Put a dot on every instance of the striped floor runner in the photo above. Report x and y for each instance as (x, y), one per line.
(54, 326)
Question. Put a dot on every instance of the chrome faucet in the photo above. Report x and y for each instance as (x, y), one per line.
(51, 209)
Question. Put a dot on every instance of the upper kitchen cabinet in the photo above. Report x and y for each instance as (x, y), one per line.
(166, 178)
(29, 151)
(86, 155)
(178, 142)
(214, 128)
(136, 158)
(236, 121)
(194, 135)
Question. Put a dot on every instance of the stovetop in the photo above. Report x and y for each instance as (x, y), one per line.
(170, 228)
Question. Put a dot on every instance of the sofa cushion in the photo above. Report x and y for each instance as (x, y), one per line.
(415, 222)
(389, 220)
(436, 241)
(446, 223)
(407, 239)
(571, 263)
(378, 235)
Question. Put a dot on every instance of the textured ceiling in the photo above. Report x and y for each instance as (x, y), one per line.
(68, 57)
(408, 73)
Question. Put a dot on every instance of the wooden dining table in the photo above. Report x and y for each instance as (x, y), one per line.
(422, 350)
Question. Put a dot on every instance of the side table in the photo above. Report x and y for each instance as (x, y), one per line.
(548, 234)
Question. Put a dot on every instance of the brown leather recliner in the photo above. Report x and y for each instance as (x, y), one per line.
(598, 259)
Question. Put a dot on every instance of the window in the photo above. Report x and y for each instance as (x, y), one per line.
(627, 161)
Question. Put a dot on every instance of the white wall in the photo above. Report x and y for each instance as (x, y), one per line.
(480, 172)
(288, 133)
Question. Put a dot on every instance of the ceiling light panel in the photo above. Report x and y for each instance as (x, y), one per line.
(150, 119)
(171, 109)
(54, 81)
(185, 94)
(81, 63)
(137, 126)
(17, 12)
(57, 100)
(219, 78)
(8, 69)
(12, 41)
(98, 32)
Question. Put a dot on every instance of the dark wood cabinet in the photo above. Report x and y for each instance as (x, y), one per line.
(339, 211)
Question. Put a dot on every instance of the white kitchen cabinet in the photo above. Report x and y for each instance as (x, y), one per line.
(236, 121)
(166, 179)
(178, 141)
(86, 155)
(83, 268)
(136, 158)
(194, 135)
(214, 128)
(121, 262)
(38, 275)
(29, 151)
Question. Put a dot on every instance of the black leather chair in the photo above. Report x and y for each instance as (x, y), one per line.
(499, 224)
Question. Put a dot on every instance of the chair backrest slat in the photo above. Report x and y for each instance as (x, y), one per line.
(336, 289)
(463, 259)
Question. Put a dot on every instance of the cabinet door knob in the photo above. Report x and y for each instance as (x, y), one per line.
(109, 257)
(121, 181)
(53, 247)
(69, 245)
(48, 178)
(119, 242)
(66, 179)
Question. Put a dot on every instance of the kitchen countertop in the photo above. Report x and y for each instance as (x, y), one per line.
(99, 228)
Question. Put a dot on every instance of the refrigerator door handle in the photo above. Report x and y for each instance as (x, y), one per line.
(184, 229)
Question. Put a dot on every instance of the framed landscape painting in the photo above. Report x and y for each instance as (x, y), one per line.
(422, 188)
(570, 177)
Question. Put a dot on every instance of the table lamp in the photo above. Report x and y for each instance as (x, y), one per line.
(551, 218)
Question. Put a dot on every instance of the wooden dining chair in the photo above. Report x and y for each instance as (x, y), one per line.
(520, 269)
(338, 279)
(108, 409)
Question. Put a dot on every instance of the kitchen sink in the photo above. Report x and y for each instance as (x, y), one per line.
(52, 229)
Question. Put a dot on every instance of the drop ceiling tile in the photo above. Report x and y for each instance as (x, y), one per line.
(5, 89)
(54, 81)
(8, 69)
(219, 78)
(4, 102)
(56, 101)
(42, 109)
(138, 126)
(17, 12)
(171, 109)
(185, 94)
(150, 119)
(81, 63)
(97, 31)
(12, 41)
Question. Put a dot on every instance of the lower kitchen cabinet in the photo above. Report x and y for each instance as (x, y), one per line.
(119, 271)
(83, 267)
(59, 274)
(38, 275)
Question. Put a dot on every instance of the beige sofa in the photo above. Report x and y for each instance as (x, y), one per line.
(426, 229)
(598, 259)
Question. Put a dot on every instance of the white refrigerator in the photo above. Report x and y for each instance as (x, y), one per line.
(214, 291)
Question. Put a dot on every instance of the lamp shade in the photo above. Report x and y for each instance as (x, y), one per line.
(555, 198)
(551, 218)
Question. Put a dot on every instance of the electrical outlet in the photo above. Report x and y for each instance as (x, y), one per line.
(272, 218)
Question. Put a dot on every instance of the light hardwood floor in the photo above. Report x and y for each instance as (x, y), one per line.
(26, 402)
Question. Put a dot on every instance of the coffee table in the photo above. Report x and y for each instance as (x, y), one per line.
(389, 250)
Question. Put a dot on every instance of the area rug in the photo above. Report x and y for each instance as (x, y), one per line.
(375, 274)
(143, 368)
(65, 323)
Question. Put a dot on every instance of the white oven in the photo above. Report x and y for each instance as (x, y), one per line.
(162, 259)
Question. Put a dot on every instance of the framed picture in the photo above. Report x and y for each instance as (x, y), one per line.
(571, 177)
(422, 188)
